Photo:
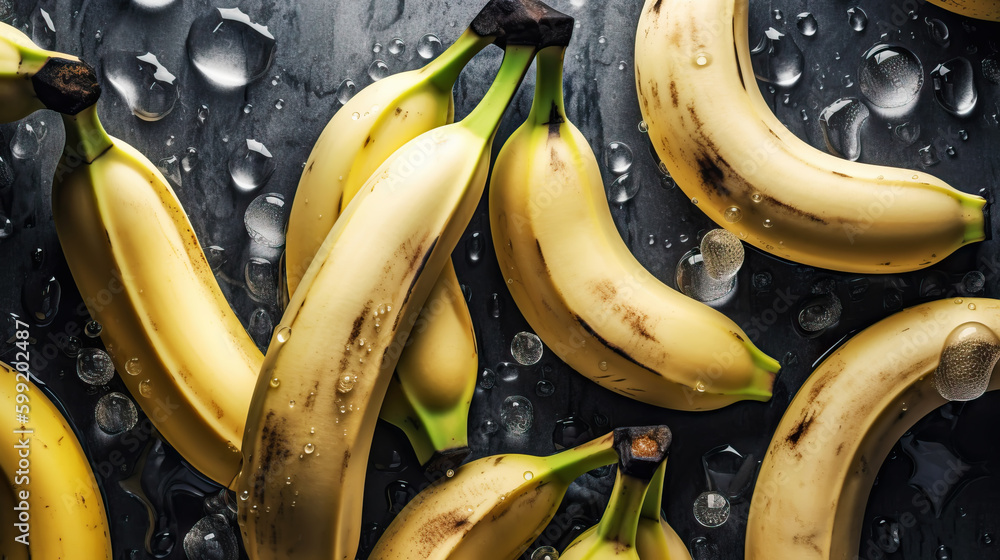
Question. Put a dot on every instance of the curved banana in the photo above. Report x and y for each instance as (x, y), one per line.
(53, 487)
(614, 536)
(136, 260)
(656, 539)
(977, 9)
(582, 290)
(313, 413)
(725, 148)
(810, 496)
(33, 78)
(494, 507)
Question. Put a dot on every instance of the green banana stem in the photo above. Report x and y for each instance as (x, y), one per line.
(621, 519)
(571, 463)
(653, 503)
(547, 107)
(86, 135)
(444, 70)
(485, 118)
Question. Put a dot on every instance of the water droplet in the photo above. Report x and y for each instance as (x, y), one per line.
(496, 305)
(153, 5)
(938, 31)
(991, 68)
(93, 329)
(857, 18)
(211, 538)
(260, 327)
(722, 254)
(970, 353)
(841, 122)
(71, 346)
(377, 47)
(475, 246)
(623, 189)
(265, 220)
(928, 156)
(544, 388)
(148, 88)
(907, 133)
(953, 86)
(284, 334)
(279, 104)
(890, 76)
(618, 157)
(768, 223)
(261, 280)
(43, 29)
(603, 366)
(397, 46)
(309, 448)
(694, 281)
(345, 91)
(450, 473)
(115, 413)
(942, 553)
(27, 139)
(885, 533)
(545, 553)
(94, 366)
(974, 282)
(820, 313)
(41, 297)
(378, 70)
(643, 127)
(190, 160)
(777, 59)
(275, 382)
(489, 426)
(133, 366)
(702, 59)
(251, 166)
(806, 22)
(526, 348)
(711, 509)
(146, 388)
(516, 415)
(487, 378)
(733, 214)
(429, 46)
(229, 49)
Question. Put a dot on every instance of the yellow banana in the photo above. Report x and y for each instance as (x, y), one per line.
(309, 429)
(53, 490)
(810, 496)
(33, 78)
(585, 294)
(712, 128)
(614, 536)
(656, 539)
(136, 260)
(978, 9)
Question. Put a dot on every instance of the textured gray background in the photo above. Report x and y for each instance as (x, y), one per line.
(320, 43)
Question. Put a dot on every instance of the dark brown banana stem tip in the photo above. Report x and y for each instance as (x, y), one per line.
(642, 450)
(443, 461)
(66, 86)
(523, 22)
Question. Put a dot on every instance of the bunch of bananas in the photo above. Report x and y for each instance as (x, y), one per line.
(290, 430)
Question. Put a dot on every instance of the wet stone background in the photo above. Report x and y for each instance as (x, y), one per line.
(818, 74)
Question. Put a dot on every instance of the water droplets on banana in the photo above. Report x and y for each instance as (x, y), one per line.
(229, 49)
(970, 354)
(148, 88)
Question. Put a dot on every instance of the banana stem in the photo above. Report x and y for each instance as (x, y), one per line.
(653, 503)
(485, 118)
(572, 463)
(443, 71)
(548, 108)
(621, 520)
(86, 135)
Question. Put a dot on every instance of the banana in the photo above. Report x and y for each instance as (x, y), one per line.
(494, 507)
(655, 539)
(54, 492)
(977, 9)
(810, 496)
(438, 369)
(33, 78)
(136, 260)
(309, 429)
(641, 452)
(581, 289)
(716, 135)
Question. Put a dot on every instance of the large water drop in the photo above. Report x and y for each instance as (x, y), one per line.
(890, 76)
(970, 353)
(265, 220)
(148, 88)
(229, 49)
(954, 88)
(841, 122)
(777, 59)
(251, 166)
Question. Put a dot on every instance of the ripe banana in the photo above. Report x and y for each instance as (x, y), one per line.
(33, 78)
(438, 369)
(712, 128)
(55, 494)
(614, 536)
(810, 496)
(977, 9)
(656, 539)
(135, 258)
(494, 507)
(581, 289)
(314, 408)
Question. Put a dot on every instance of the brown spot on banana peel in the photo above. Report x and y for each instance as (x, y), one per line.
(610, 346)
(344, 465)
(555, 119)
(274, 449)
(415, 269)
(799, 430)
(674, 94)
